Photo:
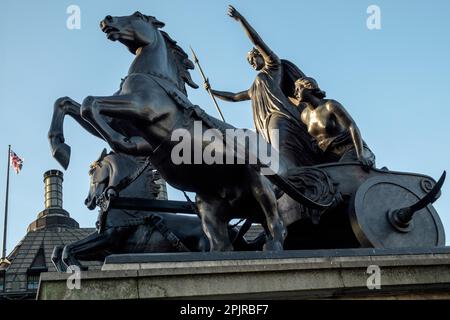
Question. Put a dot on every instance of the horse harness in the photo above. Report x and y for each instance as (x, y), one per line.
(191, 110)
(160, 153)
(154, 221)
(113, 191)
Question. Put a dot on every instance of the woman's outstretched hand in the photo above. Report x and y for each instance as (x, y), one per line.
(206, 85)
(232, 12)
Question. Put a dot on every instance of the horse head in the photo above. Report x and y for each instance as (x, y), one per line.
(112, 168)
(134, 31)
(156, 51)
(99, 172)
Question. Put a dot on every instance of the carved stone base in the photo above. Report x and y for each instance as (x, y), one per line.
(335, 274)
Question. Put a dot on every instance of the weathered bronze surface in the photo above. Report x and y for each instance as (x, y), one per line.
(149, 106)
(136, 231)
(331, 125)
(327, 176)
(274, 116)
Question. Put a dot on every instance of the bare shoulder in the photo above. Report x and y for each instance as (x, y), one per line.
(333, 105)
(305, 112)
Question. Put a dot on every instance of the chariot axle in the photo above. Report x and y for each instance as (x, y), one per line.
(402, 219)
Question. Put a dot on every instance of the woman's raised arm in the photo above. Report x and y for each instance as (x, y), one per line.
(268, 55)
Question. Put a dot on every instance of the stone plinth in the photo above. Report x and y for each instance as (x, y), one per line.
(336, 274)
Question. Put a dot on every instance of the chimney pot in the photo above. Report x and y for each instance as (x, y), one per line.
(53, 180)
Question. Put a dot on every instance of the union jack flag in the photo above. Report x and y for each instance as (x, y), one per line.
(16, 162)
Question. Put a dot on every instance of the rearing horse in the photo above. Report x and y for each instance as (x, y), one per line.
(140, 118)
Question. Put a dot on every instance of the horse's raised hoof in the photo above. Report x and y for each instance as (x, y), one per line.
(61, 152)
(70, 261)
(273, 246)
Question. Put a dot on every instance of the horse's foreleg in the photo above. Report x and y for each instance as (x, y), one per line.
(94, 110)
(62, 107)
(93, 247)
(266, 198)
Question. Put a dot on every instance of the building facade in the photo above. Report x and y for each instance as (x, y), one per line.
(19, 275)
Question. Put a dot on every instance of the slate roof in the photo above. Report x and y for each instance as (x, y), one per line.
(53, 227)
(25, 258)
(34, 252)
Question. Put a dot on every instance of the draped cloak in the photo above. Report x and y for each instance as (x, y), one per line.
(273, 110)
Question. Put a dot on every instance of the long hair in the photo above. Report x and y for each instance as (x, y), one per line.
(311, 83)
(182, 61)
(291, 73)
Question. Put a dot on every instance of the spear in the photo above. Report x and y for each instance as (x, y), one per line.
(205, 79)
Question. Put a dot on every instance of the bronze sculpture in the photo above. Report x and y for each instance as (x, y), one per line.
(330, 124)
(153, 96)
(152, 103)
(274, 116)
(136, 231)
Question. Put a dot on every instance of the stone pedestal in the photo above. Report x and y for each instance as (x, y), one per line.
(335, 274)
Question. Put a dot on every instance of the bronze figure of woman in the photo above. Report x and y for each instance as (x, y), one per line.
(331, 125)
(274, 116)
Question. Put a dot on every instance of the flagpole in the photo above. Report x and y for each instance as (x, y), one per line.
(6, 206)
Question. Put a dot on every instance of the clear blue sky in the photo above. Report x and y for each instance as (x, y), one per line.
(395, 81)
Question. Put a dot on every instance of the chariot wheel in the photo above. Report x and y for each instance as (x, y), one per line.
(374, 224)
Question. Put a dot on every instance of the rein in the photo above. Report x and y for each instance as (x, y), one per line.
(103, 199)
(126, 181)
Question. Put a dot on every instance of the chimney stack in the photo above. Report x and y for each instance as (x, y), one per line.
(53, 215)
(53, 180)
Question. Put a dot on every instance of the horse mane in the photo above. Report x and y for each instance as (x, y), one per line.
(181, 58)
(98, 163)
(182, 61)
